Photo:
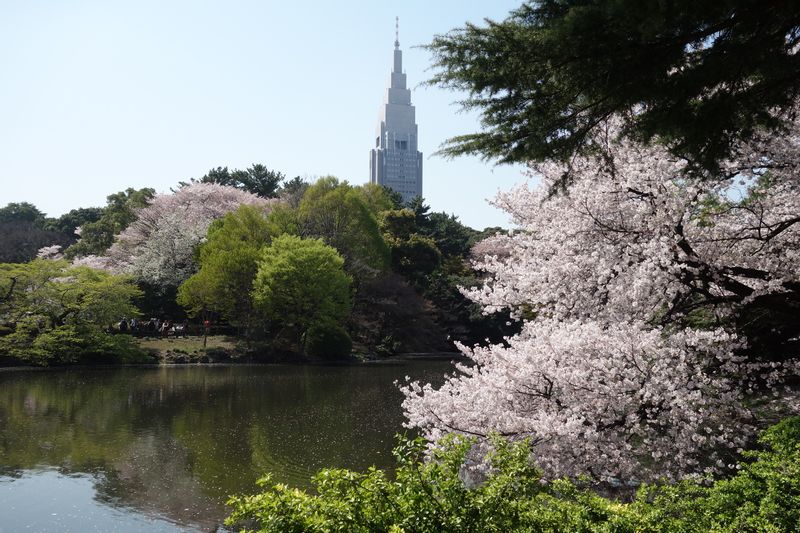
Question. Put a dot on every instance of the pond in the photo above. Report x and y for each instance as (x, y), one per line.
(162, 448)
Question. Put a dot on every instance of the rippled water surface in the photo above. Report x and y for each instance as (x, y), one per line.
(161, 449)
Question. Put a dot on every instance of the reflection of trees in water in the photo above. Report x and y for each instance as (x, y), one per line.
(338, 423)
(153, 479)
(177, 442)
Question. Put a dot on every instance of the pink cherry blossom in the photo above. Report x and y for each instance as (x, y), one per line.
(158, 246)
(637, 272)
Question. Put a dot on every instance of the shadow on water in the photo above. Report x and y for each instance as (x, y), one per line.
(173, 443)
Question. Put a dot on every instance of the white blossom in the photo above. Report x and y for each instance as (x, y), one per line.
(50, 252)
(158, 247)
(633, 366)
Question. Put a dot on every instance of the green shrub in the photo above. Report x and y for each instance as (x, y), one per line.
(425, 495)
(449, 490)
(328, 340)
(387, 346)
(764, 495)
(54, 313)
(70, 344)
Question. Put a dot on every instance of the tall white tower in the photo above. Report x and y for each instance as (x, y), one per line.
(395, 161)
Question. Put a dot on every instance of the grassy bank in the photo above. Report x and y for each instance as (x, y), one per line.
(191, 349)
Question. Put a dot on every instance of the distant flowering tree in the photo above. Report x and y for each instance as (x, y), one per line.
(50, 252)
(96, 262)
(659, 312)
(499, 245)
(158, 247)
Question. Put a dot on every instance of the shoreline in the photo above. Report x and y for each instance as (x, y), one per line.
(404, 357)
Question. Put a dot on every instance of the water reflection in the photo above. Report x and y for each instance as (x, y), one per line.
(175, 442)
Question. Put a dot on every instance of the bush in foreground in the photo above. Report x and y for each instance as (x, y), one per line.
(449, 491)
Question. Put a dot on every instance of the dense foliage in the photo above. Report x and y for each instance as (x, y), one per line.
(328, 340)
(194, 252)
(698, 76)
(24, 230)
(257, 179)
(52, 313)
(432, 251)
(339, 214)
(228, 265)
(301, 283)
(454, 489)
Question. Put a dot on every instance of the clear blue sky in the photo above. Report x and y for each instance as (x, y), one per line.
(97, 96)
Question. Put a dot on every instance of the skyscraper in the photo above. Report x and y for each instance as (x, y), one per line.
(395, 160)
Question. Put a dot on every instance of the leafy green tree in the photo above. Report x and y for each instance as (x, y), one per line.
(228, 265)
(379, 198)
(415, 257)
(452, 237)
(399, 223)
(119, 213)
(413, 254)
(53, 313)
(431, 250)
(282, 220)
(19, 212)
(301, 283)
(24, 230)
(421, 212)
(328, 340)
(292, 191)
(696, 75)
(257, 179)
(218, 175)
(394, 196)
(69, 222)
(335, 212)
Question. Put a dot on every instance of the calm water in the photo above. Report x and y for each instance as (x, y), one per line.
(161, 449)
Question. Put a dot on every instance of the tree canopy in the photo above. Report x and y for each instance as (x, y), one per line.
(697, 76)
(51, 312)
(301, 283)
(338, 213)
(257, 179)
(18, 212)
(228, 264)
(24, 230)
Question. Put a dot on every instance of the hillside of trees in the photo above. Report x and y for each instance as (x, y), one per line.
(291, 269)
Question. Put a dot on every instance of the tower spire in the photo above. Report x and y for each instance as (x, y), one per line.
(396, 161)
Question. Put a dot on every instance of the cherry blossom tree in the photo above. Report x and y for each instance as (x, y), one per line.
(158, 246)
(659, 311)
(53, 252)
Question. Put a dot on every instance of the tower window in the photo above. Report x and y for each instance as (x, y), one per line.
(401, 145)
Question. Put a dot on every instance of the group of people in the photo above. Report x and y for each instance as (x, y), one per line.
(154, 326)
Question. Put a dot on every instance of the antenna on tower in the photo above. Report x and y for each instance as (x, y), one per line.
(397, 32)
